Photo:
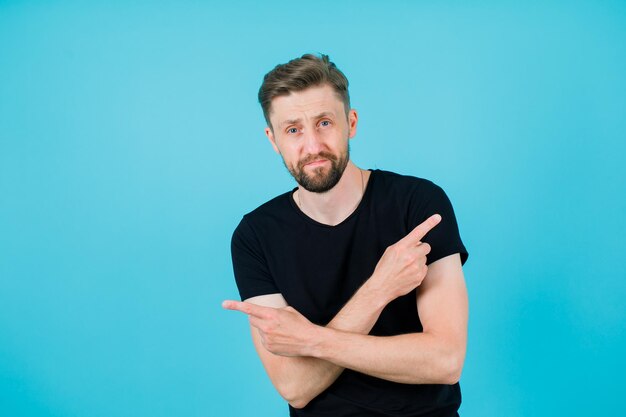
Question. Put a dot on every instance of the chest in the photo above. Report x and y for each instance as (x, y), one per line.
(318, 269)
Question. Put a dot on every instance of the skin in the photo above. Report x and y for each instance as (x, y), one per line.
(306, 124)
(303, 359)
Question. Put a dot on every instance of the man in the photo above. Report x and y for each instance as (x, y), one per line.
(352, 281)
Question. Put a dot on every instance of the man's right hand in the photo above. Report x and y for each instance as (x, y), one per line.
(403, 265)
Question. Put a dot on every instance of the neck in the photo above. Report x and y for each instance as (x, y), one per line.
(335, 205)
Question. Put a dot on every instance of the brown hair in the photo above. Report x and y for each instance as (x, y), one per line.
(299, 74)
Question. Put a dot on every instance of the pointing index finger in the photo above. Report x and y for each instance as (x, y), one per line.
(246, 308)
(416, 235)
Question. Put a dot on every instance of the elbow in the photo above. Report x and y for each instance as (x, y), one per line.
(298, 403)
(295, 397)
(451, 369)
(451, 378)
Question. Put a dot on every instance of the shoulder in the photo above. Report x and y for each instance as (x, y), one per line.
(272, 208)
(266, 216)
(413, 198)
(406, 185)
(421, 198)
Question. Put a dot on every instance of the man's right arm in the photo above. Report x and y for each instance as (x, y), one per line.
(402, 268)
(299, 379)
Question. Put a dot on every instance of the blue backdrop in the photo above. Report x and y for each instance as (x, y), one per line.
(131, 144)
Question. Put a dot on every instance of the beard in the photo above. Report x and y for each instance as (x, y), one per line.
(321, 179)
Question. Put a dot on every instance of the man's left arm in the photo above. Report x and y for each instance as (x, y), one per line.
(434, 356)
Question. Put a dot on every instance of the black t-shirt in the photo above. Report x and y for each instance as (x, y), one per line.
(317, 268)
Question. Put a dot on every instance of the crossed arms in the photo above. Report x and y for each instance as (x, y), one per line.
(303, 359)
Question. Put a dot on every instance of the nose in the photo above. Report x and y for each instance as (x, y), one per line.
(313, 143)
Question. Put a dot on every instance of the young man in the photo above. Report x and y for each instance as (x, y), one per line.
(353, 281)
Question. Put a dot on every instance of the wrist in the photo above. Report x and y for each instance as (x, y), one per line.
(376, 293)
(319, 341)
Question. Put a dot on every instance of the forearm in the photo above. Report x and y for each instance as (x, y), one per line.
(434, 356)
(361, 312)
(299, 379)
(415, 358)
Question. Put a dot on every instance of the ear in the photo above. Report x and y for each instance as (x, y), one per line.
(353, 118)
(270, 136)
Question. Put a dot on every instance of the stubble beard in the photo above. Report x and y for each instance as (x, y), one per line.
(321, 179)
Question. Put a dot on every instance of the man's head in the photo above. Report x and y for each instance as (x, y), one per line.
(307, 108)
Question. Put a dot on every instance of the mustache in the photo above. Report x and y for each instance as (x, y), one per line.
(310, 158)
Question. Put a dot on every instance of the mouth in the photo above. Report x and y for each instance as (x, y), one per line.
(315, 163)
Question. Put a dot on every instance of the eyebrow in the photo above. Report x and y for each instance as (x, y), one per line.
(296, 121)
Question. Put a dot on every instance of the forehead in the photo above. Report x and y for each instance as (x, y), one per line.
(305, 103)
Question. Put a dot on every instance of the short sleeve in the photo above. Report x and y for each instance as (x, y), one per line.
(249, 265)
(444, 238)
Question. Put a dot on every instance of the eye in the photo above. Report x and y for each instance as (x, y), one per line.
(292, 130)
(325, 123)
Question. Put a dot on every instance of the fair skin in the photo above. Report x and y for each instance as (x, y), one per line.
(303, 359)
(307, 123)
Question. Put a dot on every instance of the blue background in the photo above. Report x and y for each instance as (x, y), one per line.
(131, 144)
